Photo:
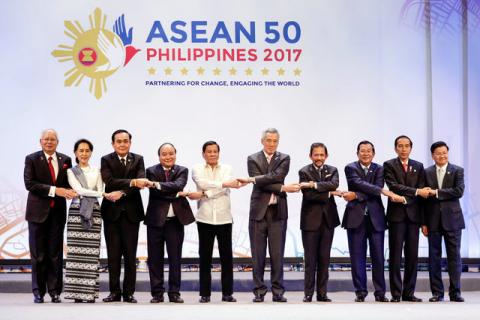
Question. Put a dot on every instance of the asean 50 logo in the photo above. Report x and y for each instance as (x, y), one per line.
(97, 53)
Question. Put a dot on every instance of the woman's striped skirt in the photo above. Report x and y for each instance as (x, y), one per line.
(83, 255)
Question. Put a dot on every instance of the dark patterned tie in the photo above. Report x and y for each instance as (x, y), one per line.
(122, 160)
(167, 175)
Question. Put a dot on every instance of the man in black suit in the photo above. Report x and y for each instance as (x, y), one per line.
(364, 219)
(168, 212)
(268, 213)
(405, 177)
(318, 219)
(444, 218)
(45, 177)
(123, 172)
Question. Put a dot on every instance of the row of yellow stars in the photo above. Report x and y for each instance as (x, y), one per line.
(216, 72)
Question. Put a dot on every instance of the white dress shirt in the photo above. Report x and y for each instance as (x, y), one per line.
(51, 192)
(214, 208)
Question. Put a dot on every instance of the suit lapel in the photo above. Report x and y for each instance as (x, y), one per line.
(314, 173)
(433, 176)
(44, 162)
(129, 164)
(399, 168)
(448, 177)
(273, 161)
(361, 171)
(262, 161)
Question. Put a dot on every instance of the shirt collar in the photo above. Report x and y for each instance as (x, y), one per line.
(267, 156)
(124, 157)
(207, 166)
(444, 167)
(54, 156)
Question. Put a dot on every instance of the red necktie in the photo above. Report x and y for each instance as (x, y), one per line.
(167, 175)
(52, 174)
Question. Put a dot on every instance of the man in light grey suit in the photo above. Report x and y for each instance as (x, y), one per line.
(268, 213)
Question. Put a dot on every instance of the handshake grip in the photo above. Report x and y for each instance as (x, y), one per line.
(142, 183)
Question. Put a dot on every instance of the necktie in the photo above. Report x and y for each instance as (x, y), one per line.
(122, 160)
(440, 176)
(54, 179)
(405, 167)
(273, 198)
(167, 175)
(365, 170)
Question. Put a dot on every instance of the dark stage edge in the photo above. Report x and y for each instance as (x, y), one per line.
(339, 281)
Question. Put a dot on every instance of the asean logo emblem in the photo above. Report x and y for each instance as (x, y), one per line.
(96, 53)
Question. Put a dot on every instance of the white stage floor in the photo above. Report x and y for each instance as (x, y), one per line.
(20, 306)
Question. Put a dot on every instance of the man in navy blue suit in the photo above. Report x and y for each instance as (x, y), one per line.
(444, 218)
(364, 219)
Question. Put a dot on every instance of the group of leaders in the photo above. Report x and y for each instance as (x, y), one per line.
(418, 199)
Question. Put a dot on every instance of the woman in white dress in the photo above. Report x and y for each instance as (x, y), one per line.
(84, 226)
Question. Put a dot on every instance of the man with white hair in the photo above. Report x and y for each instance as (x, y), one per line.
(45, 177)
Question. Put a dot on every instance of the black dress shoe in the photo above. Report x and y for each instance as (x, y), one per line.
(37, 298)
(175, 298)
(323, 298)
(258, 298)
(112, 297)
(204, 299)
(307, 298)
(279, 298)
(381, 299)
(411, 298)
(457, 298)
(436, 298)
(157, 299)
(56, 298)
(360, 298)
(130, 299)
(229, 298)
(395, 299)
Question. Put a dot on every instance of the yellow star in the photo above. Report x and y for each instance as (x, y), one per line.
(265, 71)
(184, 71)
(151, 71)
(200, 71)
(216, 71)
(168, 71)
(232, 71)
(248, 72)
(281, 72)
(297, 72)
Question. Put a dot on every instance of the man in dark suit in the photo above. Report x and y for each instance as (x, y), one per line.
(444, 218)
(45, 177)
(318, 219)
(122, 172)
(404, 177)
(364, 219)
(167, 214)
(268, 213)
